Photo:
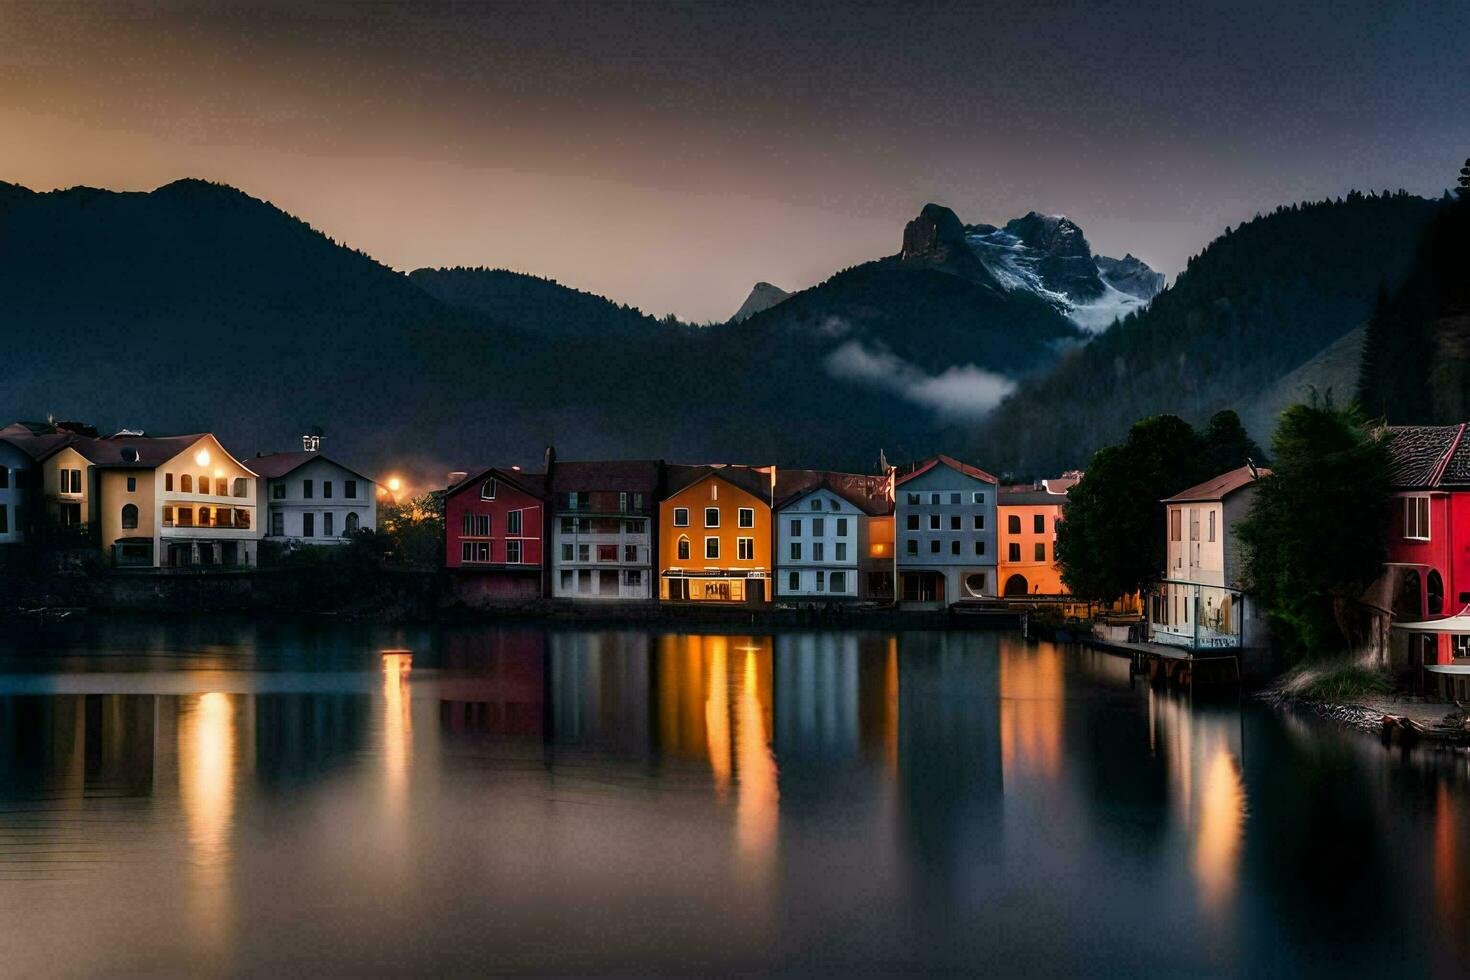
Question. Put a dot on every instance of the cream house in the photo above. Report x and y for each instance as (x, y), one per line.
(308, 498)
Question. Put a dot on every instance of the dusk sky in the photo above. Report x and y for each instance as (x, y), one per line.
(670, 155)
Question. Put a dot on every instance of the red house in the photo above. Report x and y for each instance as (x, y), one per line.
(495, 528)
(1429, 540)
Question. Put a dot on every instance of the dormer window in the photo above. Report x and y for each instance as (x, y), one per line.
(487, 490)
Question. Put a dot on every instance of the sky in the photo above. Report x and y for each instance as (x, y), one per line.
(670, 155)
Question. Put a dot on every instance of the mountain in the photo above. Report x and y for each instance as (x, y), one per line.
(1261, 300)
(762, 297)
(518, 298)
(1131, 276)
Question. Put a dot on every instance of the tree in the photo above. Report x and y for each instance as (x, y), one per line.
(1226, 446)
(415, 529)
(1316, 534)
(1464, 181)
(1111, 542)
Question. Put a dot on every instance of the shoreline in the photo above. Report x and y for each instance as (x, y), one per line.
(1397, 717)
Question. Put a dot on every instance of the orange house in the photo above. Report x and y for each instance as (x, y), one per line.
(1028, 542)
(714, 534)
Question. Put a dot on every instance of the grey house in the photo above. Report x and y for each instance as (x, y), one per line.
(945, 514)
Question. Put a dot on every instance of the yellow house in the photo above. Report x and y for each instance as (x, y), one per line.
(1028, 541)
(715, 534)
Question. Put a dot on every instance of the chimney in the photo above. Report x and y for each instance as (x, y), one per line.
(456, 477)
(312, 441)
(550, 459)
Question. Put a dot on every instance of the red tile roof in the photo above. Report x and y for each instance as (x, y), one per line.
(952, 463)
(1423, 457)
(276, 465)
(1219, 487)
(755, 480)
(588, 476)
(531, 483)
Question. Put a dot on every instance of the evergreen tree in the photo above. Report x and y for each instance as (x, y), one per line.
(1226, 446)
(1316, 534)
(1464, 181)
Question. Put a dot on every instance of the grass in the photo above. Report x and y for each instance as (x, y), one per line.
(1337, 683)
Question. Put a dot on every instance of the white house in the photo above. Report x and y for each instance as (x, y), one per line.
(15, 469)
(312, 499)
(603, 517)
(822, 534)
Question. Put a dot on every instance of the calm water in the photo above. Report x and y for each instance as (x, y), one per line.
(249, 799)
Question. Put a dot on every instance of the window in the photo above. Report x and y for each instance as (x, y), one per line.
(186, 517)
(796, 528)
(954, 547)
(913, 546)
(819, 527)
(326, 489)
(206, 517)
(168, 482)
(1038, 524)
(130, 517)
(979, 522)
(308, 525)
(914, 499)
(221, 487)
(513, 523)
(637, 503)
(186, 484)
(821, 580)
(745, 548)
(934, 499)
(818, 550)
(584, 552)
(842, 527)
(683, 550)
(1176, 526)
(278, 491)
(327, 524)
(833, 505)
(568, 525)
(681, 517)
(71, 481)
(1416, 518)
(954, 498)
(979, 547)
(349, 489)
(488, 488)
(1041, 551)
(1434, 592)
(477, 525)
(132, 484)
(1460, 645)
(954, 522)
(513, 552)
(4, 519)
(793, 582)
(306, 490)
(838, 582)
(1013, 551)
(934, 547)
(977, 497)
(351, 524)
(574, 500)
(1212, 526)
(242, 518)
(224, 517)
(933, 522)
(278, 524)
(607, 552)
(745, 517)
(622, 502)
(203, 484)
(566, 552)
(913, 522)
(816, 504)
(633, 527)
(842, 551)
(633, 576)
(168, 517)
(796, 551)
(630, 553)
(712, 517)
(712, 547)
(1013, 523)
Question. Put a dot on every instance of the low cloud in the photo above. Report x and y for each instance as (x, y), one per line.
(962, 392)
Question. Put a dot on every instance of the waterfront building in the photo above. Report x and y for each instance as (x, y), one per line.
(1199, 603)
(604, 516)
(945, 516)
(52, 492)
(311, 499)
(834, 537)
(16, 468)
(714, 534)
(495, 525)
(1029, 516)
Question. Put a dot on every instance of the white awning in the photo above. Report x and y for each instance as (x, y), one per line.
(1458, 623)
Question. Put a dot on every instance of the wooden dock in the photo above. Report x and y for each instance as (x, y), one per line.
(1171, 666)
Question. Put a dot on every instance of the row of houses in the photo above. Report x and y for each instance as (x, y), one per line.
(173, 501)
(932, 533)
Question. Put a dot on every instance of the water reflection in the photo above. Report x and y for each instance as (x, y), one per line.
(811, 800)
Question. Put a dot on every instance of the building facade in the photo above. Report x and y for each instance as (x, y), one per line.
(495, 527)
(311, 499)
(15, 474)
(945, 515)
(1199, 602)
(714, 535)
(1029, 518)
(828, 526)
(604, 519)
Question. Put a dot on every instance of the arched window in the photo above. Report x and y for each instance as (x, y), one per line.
(1434, 592)
(349, 525)
(221, 487)
(1015, 585)
(1406, 602)
(239, 486)
(1013, 523)
(205, 517)
(130, 517)
(186, 484)
(487, 490)
(683, 547)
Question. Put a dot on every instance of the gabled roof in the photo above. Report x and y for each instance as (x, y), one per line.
(1220, 487)
(1425, 457)
(866, 492)
(754, 480)
(151, 451)
(533, 484)
(590, 476)
(954, 464)
(39, 440)
(276, 465)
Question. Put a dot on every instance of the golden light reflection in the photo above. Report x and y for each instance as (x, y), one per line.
(1449, 893)
(717, 715)
(397, 723)
(890, 705)
(207, 751)
(758, 806)
(1031, 707)
(1219, 828)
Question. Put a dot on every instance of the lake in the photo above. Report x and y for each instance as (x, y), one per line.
(226, 797)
